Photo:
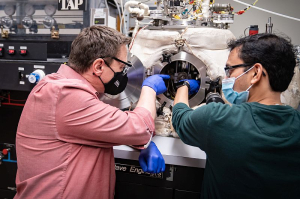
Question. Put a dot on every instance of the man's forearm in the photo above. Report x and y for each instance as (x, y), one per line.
(147, 100)
(182, 95)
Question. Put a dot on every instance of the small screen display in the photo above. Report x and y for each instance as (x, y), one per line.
(99, 21)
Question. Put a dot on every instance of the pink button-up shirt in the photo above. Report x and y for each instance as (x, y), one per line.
(65, 137)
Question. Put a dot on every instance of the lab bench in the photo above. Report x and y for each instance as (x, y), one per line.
(182, 177)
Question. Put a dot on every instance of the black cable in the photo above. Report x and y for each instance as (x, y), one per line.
(190, 9)
(245, 31)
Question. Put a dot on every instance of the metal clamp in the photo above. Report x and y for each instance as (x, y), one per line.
(4, 34)
(180, 42)
(54, 33)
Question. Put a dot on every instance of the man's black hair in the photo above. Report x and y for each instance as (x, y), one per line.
(276, 54)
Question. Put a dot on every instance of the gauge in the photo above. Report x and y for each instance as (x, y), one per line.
(27, 22)
(9, 10)
(7, 21)
(49, 22)
(29, 10)
(50, 10)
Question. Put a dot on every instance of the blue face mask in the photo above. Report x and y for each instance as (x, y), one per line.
(232, 96)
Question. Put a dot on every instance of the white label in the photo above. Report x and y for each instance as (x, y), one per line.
(20, 68)
(73, 4)
(39, 66)
(23, 47)
(1, 45)
(22, 82)
(99, 13)
(11, 47)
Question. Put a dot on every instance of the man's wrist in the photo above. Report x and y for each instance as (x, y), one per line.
(149, 90)
(183, 83)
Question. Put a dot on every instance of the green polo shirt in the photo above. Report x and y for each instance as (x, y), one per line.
(253, 150)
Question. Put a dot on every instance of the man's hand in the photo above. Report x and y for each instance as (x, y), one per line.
(194, 85)
(156, 82)
(151, 159)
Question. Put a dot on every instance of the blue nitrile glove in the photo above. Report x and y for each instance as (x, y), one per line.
(194, 85)
(156, 82)
(151, 159)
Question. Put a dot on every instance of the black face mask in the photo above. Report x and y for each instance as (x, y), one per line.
(117, 84)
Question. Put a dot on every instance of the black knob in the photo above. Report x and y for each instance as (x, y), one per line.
(214, 97)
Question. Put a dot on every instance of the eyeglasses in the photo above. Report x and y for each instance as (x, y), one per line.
(228, 68)
(127, 65)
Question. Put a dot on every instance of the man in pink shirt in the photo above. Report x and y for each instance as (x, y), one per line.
(66, 135)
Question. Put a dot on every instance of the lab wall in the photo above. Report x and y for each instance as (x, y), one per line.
(281, 25)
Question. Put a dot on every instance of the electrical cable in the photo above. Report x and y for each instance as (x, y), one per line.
(243, 11)
(251, 5)
(265, 10)
(132, 41)
(190, 10)
(12, 99)
(245, 30)
(107, 7)
(123, 26)
(121, 23)
(171, 89)
(118, 8)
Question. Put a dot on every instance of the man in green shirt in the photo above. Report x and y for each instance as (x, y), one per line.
(253, 145)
